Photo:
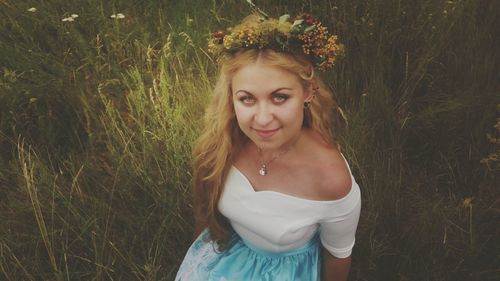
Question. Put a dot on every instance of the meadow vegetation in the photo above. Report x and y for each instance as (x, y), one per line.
(100, 102)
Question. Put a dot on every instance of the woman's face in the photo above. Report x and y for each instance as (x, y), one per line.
(268, 102)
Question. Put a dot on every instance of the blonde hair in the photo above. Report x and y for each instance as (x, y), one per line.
(222, 138)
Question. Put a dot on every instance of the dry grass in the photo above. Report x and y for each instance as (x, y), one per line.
(97, 118)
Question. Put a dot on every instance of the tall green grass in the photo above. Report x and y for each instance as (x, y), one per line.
(98, 115)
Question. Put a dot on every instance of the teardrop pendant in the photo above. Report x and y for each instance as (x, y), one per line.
(263, 170)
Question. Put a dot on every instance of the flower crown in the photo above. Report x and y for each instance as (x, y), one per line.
(305, 35)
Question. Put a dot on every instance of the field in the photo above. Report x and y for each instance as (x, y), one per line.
(100, 102)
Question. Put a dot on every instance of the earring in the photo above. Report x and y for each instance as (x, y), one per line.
(307, 103)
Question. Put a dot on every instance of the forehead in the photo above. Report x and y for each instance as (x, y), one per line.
(261, 76)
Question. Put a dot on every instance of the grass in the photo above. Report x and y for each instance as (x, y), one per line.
(98, 115)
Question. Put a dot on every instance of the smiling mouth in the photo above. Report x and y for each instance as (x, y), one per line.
(266, 133)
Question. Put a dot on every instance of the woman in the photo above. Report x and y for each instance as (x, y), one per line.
(274, 197)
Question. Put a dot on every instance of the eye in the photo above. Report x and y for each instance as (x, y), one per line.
(280, 98)
(247, 99)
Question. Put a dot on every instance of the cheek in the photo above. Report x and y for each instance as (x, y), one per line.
(292, 114)
(243, 114)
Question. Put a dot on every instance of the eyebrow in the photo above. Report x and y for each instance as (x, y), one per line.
(273, 92)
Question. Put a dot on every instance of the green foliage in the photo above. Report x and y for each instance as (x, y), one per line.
(98, 115)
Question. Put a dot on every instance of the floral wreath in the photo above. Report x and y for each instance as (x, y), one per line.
(305, 35)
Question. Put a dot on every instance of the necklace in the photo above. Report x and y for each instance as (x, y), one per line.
(263, 165)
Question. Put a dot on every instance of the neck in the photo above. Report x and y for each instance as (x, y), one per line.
(268, 154)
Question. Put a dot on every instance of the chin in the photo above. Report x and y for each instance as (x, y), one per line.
(268, 144)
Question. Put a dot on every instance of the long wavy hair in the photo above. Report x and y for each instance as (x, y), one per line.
(222, 139)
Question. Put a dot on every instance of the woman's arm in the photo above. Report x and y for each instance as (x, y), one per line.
(334, 269)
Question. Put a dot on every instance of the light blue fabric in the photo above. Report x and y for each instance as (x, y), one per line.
(244, 262)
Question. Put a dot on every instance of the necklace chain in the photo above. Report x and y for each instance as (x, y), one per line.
(263, 165)
(263, 170)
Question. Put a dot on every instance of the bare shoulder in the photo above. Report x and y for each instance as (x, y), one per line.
(332, 172)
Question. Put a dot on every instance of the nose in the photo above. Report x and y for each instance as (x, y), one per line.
(264, 115)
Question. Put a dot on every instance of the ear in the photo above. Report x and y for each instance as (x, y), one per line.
(309, 93)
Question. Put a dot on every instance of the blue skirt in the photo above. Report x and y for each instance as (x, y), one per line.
(241, 261)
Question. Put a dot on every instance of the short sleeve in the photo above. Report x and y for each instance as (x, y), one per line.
(338, 228)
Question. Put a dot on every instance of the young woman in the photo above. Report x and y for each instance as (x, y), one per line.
(274, 197)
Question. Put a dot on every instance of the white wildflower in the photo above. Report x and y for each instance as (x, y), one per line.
(117, 16)
(74, 16)
(68, 19)
(32, 9)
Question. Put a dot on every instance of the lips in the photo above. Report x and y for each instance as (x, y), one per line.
(266, 133)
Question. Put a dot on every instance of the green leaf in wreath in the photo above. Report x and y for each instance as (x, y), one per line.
(284, 18)
(309, 28)
(297, 23)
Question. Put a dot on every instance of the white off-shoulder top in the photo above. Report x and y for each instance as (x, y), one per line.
(277, 222)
